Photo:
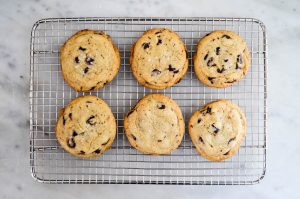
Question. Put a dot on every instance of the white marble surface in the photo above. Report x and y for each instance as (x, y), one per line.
(282, 19)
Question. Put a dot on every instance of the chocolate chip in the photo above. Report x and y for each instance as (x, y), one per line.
(218, 50)
(89, 60)
(74, 133)
(229, 82)
(92, 88)
(199, 120)
(86, 69)
(97, 151)
(178, 81)
(175, 71)
(89, 121)
(237, 66)
(105, 142)
(205, 57)
(88, 102)
(77, 60)
(211, 79)
(81, 152)
(161, 106)
(155, 72)
(171, 68)
(226, 153)
(207, 34)
(159, 140)
(239, 59)
(82, 49)
(201, 140)
(226, 36)
(208, 110)
(146, 45)
(71, 143)
(225, 60)
(133, 136)
(214, 65)
(70, 116)
(159, 42)
(210, 61)
(216, 129)
(64, 120)
(158, 32)
(220, 70)
(230, 140)
(191, 126)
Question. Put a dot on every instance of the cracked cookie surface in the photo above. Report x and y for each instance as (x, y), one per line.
(222, 58)
(154, 125)
(89, 60)
(217, 129)
(159, 59)
(86, 127)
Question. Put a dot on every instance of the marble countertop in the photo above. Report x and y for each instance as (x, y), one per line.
(282, 19)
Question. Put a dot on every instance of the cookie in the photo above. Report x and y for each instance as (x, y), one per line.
(217, 129)
(89, 60)
(86, 127)
(159, 59)
(222, 58)
(154, 125)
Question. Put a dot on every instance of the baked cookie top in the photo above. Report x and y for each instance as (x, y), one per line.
(217, 129)
(222, 58)
(154, 125)
(86, 127)
(89, 60)
(159, 59)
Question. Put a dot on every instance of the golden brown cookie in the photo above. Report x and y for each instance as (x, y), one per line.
(86, 127)
(222, 58)
(217, 129)
(154, 125)
(159, 59)
(89, 60)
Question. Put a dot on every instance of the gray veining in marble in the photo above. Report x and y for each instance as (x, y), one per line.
(282, 19)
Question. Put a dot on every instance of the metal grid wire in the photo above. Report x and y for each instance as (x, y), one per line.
(123, 164)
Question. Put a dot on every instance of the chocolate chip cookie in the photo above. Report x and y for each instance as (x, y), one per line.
(86, 127)
(154, 125)
(222, 58)
(159, 59)
(217, 129)
(89, 60)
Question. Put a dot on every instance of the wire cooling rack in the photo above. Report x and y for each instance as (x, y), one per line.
(123, 164)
